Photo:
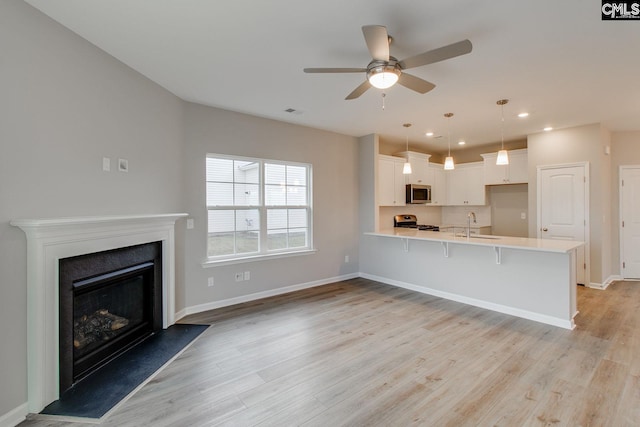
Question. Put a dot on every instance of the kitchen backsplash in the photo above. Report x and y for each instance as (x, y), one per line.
(457, 215)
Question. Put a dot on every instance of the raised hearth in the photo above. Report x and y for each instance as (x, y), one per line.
(49, 241)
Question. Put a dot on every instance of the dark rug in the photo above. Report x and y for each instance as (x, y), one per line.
(96, 394)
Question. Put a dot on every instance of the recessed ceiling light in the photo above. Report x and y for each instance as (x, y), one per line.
(547, 129)
(461, 142)
(429, 134)
(523, 115)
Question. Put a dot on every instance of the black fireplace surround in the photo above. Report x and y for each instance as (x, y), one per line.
(109, 301)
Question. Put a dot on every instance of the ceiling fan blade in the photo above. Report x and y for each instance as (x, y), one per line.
(359, 90)
(377, 41)
(436, 55)
(415, 83)
(335, 70)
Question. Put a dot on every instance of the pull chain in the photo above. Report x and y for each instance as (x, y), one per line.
(383, 96)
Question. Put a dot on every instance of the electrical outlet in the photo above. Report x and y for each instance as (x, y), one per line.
(189, 223)
(523, 215)
(346, 259)
(106, 164)
(210, 281)
(239, 277)
(247, 275)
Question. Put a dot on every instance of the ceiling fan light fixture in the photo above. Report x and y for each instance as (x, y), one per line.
(383, 76)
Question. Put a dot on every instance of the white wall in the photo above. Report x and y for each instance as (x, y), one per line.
(334, 159)
(65, 105)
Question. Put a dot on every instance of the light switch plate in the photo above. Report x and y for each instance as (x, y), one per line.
(189, 223)
(106, 164)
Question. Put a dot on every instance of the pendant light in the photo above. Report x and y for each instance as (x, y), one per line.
(503, 156)
(406, 169)
(448, 162)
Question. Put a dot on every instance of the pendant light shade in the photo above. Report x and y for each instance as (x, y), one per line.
(406, 169)
(448, 161)
(503, 156)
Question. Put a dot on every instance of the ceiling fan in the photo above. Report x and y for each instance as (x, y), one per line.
(384, 70)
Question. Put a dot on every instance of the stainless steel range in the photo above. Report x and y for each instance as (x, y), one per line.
(411, 221)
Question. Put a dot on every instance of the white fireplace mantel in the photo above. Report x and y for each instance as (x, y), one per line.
(48, 241)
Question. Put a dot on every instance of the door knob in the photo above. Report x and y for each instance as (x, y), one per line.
(545, 229)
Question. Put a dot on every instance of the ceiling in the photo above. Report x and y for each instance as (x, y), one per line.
(555, 59)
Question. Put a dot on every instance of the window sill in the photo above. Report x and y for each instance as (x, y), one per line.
(262, 257)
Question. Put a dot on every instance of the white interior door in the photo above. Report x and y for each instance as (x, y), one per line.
(562, 208)
(630, 222)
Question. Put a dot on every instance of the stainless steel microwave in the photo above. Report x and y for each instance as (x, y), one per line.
(418, 194)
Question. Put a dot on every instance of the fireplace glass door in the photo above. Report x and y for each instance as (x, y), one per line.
(107, 310)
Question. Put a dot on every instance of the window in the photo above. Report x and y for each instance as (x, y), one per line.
(257, 207)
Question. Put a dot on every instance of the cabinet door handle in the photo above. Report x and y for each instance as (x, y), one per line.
(545, 229)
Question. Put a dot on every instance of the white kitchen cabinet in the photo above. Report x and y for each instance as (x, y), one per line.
(516, 172)
(391, 186)
(420, 173)
(465, 185)
(438, 183)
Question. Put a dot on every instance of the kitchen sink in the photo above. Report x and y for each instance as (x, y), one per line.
(479, 236)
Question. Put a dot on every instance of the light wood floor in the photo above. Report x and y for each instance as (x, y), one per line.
(360, 353)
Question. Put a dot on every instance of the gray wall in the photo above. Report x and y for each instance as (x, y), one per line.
(64, 105)
(334, 159)
(579, 144)
(507, 204)
(625, 151)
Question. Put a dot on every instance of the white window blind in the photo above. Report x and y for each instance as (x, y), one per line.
(257, 206)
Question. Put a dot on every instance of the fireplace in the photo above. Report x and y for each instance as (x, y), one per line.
(49, 241)
(109, 301)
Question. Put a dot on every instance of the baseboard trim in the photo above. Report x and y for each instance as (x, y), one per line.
(260, 295)
(553, 321)
(606, 283)
(15, 416)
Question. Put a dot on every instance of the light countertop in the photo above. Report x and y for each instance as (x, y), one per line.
(524, 243)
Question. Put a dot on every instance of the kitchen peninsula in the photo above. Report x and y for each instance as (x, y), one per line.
(526, 277)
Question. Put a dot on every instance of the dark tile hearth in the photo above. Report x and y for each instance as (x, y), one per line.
(95, 395)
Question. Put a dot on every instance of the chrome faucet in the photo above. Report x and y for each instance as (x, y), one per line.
(469, 215)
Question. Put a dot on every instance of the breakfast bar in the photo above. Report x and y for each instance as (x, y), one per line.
(526, 277)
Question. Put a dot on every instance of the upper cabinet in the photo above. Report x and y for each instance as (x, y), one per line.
(419, 167)
(465, 186)
(391, 187)
(437, 180)
(516, 172)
